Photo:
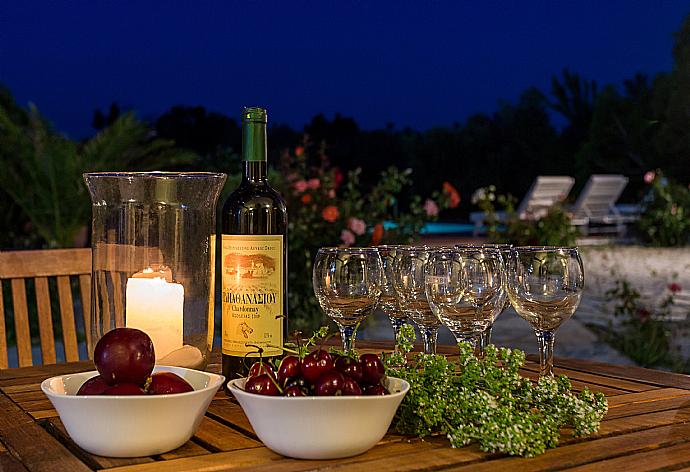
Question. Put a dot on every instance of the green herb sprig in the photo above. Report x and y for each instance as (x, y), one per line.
(487, 401)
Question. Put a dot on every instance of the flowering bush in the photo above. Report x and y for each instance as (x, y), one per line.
(665, 219)
(552, 229)
(327, 208)
(643, 334)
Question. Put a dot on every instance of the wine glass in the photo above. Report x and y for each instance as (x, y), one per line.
(464, 286)
(388, 301)
(545, 286)
(485, 337)
(408, 282)
(347, 284)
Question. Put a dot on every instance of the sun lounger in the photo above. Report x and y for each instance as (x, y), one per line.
(546, 190)
(595, 209)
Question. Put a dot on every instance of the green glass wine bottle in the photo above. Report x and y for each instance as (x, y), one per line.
(254, 258)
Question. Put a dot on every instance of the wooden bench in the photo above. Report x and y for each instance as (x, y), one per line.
(36, 270)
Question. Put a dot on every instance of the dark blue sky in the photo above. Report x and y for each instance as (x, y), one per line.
(418, 63)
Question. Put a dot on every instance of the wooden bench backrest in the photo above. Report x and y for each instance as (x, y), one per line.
(18, 267)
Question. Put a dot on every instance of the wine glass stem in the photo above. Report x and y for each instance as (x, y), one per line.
(472, 339)
(397, 324)
(483, 340)
(429, 336)
(347, 335)
(546, 339)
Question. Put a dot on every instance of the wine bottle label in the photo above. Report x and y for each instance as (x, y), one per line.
(252, 304)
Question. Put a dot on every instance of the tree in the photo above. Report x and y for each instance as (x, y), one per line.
(101, 120)
(42, 169)
(621, 135)
(573, 98)
(672, 96)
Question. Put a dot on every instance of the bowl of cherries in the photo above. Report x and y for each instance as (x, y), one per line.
(130, 407)
(320, 405)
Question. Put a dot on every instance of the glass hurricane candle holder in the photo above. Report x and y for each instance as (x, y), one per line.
(153, 239)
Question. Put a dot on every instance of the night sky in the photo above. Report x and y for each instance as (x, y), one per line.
(412, 63)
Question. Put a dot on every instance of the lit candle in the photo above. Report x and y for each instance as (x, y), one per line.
(155, 306)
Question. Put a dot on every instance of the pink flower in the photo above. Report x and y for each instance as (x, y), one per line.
(313, 183)
(299, 150)
(300, 186)
(331, 193)
(674, 287)
(347, 237)
(674, 209)
(430, 207)
(357, 226)
(649, 177)
(643, 314)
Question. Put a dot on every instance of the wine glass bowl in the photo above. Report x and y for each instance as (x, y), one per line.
(388, 301)
(347, 283)
(410, 290)
(463, 286)
(545, 287)
(503, 302)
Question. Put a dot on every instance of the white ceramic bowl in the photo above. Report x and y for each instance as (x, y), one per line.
(320, 427)
(135, 425)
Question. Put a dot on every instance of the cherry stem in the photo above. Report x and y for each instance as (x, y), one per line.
(286, 349)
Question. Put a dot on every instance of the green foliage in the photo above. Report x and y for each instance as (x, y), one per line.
(553, 229)
(487, 401)
(327, 208)
(665, 219)
(42, 170)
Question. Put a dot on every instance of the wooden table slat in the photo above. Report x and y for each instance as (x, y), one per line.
(587, 452)
(188, 449)
(208, 462)
(9, 464)
(632, 373)
(32, 445)
(651, 460)
(231, 413)
(216, 436)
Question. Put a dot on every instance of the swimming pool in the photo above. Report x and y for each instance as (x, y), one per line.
(439, 227)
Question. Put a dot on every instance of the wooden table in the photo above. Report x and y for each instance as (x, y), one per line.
(647, 428)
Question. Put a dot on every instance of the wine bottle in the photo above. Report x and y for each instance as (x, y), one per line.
(254, 258)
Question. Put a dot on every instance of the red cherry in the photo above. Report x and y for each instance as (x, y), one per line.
(259, 368)
(124, 355)
(124, 389)
(372, 368)
(262, 384)
(94, 386)
(294, 391)
(330, 384)
(350, 387)
(375, 390)
(163, 383)
(298, 382)
(315, 364)
(349, 367)
(289, 367)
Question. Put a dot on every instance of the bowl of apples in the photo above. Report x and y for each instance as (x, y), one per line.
(130, 407)
(320, 406)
